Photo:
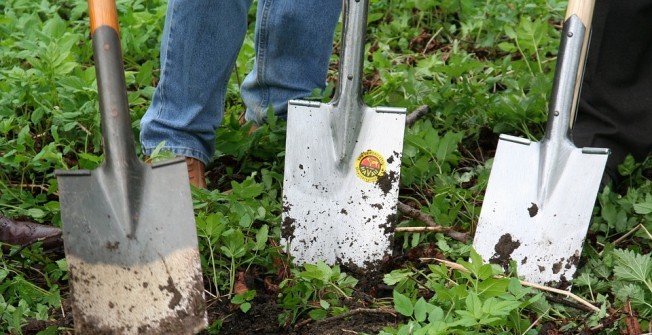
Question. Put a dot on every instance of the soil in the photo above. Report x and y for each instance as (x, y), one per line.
(363, 316)
(262, 318)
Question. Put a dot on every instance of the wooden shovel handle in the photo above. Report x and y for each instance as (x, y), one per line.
(583, 9)
(103, 13)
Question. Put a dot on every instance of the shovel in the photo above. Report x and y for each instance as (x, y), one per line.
(342, 166)
(540, 195)
(128, 228)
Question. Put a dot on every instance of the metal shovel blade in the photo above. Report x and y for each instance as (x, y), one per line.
(540, 195)
(341, 210)
(128, 227)
(342, 166)
(543, 236)
(132, 271)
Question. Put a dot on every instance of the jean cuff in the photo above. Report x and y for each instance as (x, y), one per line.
(180, 151)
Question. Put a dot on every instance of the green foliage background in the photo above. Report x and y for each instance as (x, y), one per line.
(482, 67)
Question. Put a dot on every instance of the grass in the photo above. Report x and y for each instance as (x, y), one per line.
(482, 68)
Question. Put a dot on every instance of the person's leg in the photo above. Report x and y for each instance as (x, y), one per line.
(201, 41)
(615, 109)
(294, 41)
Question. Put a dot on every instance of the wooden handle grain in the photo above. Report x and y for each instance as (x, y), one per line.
(103, 13)
(583, 9)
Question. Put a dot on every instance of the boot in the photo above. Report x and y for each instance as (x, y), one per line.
(25, 233)
(196, 171)
(242, 121)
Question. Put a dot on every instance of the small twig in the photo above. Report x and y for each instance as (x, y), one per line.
(568, 303)
(420, 284)
(210, 294)
(646, 231)
(40, 135)
(81, 126)
(437, 229)
(391, 312)
(415, 115)
(303, 323)
(535, 322)
(459, 267)
(419, 215)
(628, 234)
(432, 226)
(42, 187)
(425, 48)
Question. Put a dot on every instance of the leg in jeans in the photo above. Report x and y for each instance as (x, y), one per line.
(201, 41)
(200, 44)
(615, 109)
(294, 40)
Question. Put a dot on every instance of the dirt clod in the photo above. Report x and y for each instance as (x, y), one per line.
(504, 249)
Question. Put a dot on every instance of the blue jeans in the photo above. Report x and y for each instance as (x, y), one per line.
(201, 41)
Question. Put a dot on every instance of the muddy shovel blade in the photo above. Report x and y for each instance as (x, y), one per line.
(540, 195)
(128, 228)
(342, 166)
(341, 211)
(132, 271)
(543, 236)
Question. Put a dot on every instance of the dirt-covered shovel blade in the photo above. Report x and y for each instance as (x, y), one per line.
(128, 228)
(342, 166)
(540, 195)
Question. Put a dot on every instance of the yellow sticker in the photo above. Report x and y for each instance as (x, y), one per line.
(370, 165)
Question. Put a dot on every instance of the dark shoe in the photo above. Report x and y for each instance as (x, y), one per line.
(196, 170)
(25, 233)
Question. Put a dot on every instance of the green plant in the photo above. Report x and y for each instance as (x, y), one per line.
(633, 273)
(482, 67)
(473, 302)
(21, 298)
(244, 300)
(316, 290)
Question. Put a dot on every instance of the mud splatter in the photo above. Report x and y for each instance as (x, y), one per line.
(524, 261)
(176, 295)
(533, 210)
(557, 266)
(542, 268)
(389, 225)
(573, 260)
(287, 228)
(386, 180)
(504, 249)
(343, 211)
(112, 246)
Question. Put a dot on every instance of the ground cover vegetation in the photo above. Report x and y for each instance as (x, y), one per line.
(476, 68)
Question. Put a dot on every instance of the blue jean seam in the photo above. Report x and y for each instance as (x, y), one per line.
(261, 50)
(165, 74)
